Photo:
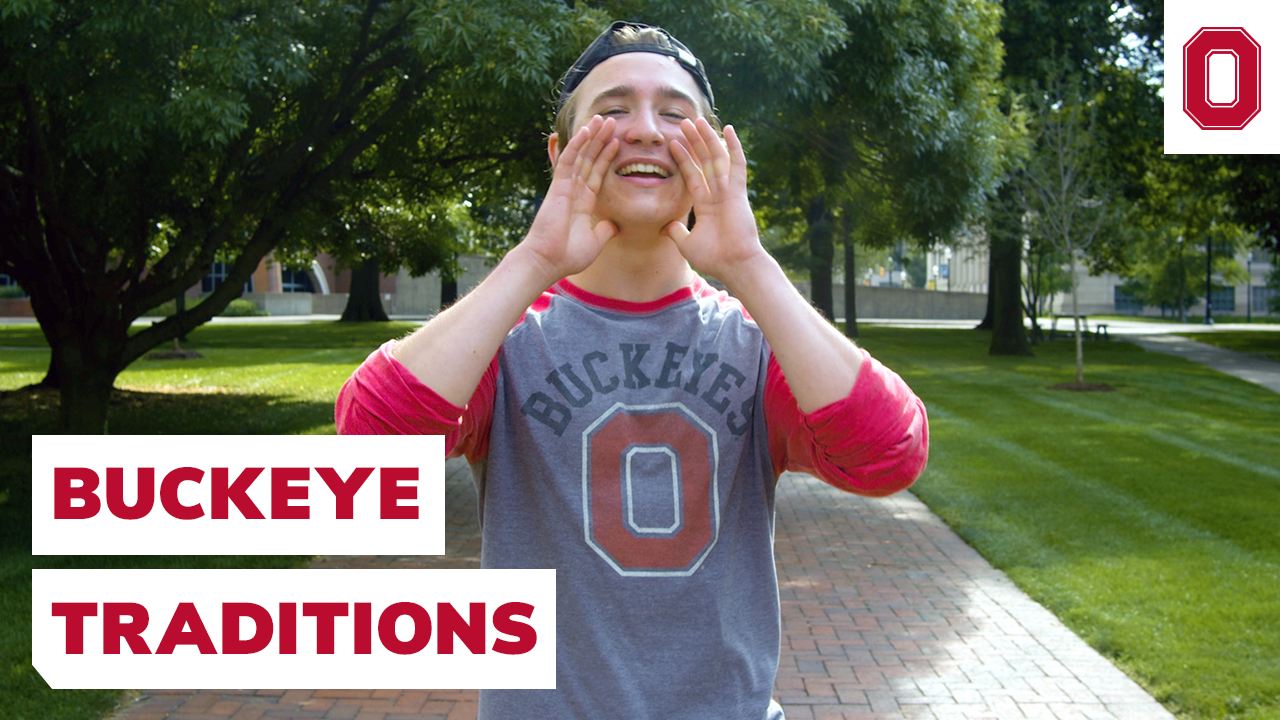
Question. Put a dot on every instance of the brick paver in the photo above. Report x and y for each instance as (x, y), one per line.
(886, 614)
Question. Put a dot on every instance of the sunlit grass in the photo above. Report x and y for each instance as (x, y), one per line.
(1145, 518)
(1265, 344)
(253, 379)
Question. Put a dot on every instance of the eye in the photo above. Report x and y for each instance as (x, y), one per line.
(612, 111)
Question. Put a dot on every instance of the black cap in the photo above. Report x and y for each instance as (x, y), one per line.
(603, 48)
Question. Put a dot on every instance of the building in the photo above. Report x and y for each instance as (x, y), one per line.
(322, 287)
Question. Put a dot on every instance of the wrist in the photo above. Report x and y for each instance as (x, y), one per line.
(746, 277)
(531, 267)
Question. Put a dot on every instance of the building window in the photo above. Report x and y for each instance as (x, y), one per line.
(295, 281)
(217, 276)
(1223, 299)
(1262, 297)
(10, 288)
(1126, 303)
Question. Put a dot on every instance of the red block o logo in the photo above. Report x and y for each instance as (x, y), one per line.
(1222, 108)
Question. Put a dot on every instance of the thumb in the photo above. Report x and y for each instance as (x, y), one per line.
(676, 231)
(605, 230)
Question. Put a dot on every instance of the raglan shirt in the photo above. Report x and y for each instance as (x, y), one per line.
(634, 447)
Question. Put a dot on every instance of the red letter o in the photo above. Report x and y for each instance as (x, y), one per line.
(1247, 100)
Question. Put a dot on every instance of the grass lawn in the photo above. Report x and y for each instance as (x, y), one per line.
(1266, 344)
(272, 379)
(1145, 518)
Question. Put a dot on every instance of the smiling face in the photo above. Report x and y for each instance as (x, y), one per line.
(647, 95)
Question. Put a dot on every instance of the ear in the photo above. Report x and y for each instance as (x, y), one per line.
(553, 147)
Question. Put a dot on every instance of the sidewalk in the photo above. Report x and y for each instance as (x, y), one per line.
(1257, 370)
(886, 614)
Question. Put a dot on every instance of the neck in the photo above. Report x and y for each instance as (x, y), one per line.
(636, 268)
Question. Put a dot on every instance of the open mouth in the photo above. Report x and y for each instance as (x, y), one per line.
(644, 170)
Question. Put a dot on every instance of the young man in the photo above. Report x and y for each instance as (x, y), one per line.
(626, 421)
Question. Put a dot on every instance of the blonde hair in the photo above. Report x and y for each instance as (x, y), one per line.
(627, 35)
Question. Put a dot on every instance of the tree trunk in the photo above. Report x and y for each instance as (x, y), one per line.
(850, 290)
(180, 307)
(87, 346)
(1004, 286)
(821, 255)
(985, 324)
(1075, 313)
(1182, 286)
(85, 401)
(448, 291)
(364, 303)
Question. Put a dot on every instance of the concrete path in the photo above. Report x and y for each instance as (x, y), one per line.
(1245, 366)
(886, 614)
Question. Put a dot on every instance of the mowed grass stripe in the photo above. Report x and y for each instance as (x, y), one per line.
(1104, 501)
(1164, 557)
(1171, 438)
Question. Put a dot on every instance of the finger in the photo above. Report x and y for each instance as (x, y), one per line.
(605, 230)
(737, 157)
(600, 135)
(603, 161)
(689, 169)
(716, 149)
(697, 143)
(676, 230)
(573, 149)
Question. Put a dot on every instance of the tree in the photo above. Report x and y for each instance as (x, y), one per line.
(1253, 189)
(140, 141)
(1065, 190)
(1043, 39)
(1184, 213)
(1273, 282)
(1043, 277)
(901, 143)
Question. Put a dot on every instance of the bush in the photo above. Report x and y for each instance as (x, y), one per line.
(243, 308)
(12, 291)
(236, 308)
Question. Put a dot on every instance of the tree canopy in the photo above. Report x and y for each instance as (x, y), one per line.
(902, 142)
(141, 141)
(1109, 49)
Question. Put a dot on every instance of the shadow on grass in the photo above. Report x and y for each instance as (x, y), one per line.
(33, 410)
(319, 334)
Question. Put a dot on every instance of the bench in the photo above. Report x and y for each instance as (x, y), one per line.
(1100, 330)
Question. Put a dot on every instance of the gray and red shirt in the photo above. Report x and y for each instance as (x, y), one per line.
(634, 447)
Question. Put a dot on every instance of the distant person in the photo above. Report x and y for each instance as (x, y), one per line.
(626, 421)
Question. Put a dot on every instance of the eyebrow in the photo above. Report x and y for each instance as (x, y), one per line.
(666, 91)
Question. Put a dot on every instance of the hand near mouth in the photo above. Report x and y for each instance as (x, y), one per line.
(725, 235)
(565, 235)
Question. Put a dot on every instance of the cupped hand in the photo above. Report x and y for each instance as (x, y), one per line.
(565, 235)
(725, 236)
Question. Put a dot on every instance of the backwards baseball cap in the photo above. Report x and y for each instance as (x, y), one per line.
(606, 46)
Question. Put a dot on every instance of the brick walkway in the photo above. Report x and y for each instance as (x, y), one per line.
(886, 614)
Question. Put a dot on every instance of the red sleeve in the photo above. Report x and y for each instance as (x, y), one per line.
(383, 398)
(874, 442)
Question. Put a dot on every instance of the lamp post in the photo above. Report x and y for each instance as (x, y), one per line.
(1248, 289)
(948, 267)
(1208, 282)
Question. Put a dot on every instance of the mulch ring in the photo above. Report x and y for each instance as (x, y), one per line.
(1083, 387)
(40, 398)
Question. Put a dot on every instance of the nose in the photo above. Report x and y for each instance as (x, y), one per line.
(642, 128)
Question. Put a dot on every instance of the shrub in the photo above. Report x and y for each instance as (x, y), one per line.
(236, 308)
(243, 308)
